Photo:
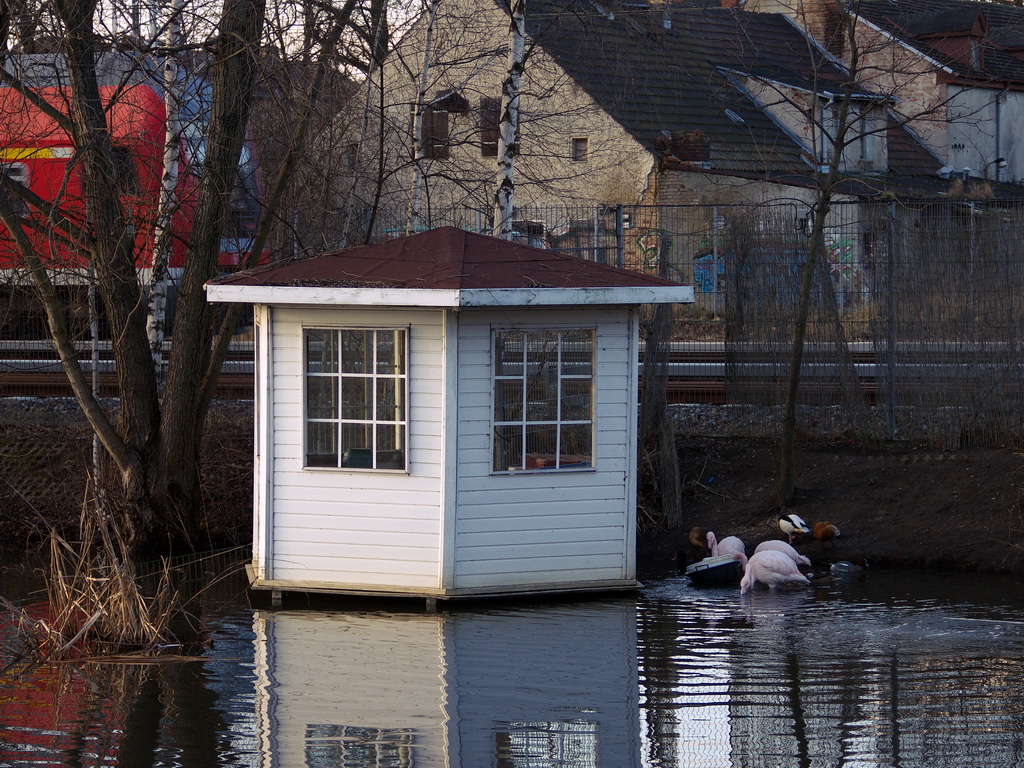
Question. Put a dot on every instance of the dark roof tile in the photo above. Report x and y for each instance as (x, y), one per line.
(446, 258)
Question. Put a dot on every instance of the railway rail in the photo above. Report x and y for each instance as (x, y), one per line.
(696, 371)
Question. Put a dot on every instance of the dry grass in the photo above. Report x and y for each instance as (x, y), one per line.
(96, 604)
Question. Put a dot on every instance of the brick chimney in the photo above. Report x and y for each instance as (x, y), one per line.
(690, 147)
(821, 19)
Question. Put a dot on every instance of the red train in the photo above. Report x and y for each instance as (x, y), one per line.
(35, 151)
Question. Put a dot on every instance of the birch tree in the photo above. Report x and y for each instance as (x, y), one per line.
(508, 130)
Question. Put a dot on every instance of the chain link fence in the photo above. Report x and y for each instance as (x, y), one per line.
(914, 330)
(915, 321)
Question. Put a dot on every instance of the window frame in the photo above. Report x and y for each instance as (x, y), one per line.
(559, 423)
(371, 396)
(865, 148)
(575, 145)
(21, 176)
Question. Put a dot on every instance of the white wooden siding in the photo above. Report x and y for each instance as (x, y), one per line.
(532, 528)
(351, 527)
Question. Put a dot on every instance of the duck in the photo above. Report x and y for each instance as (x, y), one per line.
(791, 525)
(825, 531)
(730, 545)
(845, 566)
(771, 568)
(786, 549)
(698, 539)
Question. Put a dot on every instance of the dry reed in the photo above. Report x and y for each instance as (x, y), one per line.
(96, 604)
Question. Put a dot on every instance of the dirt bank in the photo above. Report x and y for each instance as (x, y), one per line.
(906, 505)
(45, 452)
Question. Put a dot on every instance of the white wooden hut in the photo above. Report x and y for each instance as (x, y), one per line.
(447, 415)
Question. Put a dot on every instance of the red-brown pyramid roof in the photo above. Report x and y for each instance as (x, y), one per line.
(446, 258)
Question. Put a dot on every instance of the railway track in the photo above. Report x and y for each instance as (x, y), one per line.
(696, 371)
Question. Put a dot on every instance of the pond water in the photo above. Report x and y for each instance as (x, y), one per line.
(878, 669)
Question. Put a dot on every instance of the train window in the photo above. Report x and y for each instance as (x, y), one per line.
(18, 173)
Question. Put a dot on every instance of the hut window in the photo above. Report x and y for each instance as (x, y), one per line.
(543, 399)
(356, 394)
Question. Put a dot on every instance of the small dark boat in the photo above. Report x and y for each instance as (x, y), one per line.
(721, 571)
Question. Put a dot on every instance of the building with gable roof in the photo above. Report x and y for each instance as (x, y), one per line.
(672, 103)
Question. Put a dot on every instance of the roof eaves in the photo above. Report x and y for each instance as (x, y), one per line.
(905, 44)
(784, 129)
(479, 298)
(326, 295)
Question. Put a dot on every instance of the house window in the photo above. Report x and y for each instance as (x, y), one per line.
(356, 413)
(865, 136)
(490, 116)
(578, 149)
(435, 133)
(543, 399)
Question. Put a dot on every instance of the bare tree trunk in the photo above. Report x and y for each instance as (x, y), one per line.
(657, 432)
(174, 481)
(823, 206)
(508, 126)
(113, 255)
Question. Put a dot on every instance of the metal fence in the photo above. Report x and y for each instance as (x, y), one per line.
(915, 325)
(915, 328)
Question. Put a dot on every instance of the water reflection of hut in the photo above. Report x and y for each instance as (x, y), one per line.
(540, 687)
(446, 415)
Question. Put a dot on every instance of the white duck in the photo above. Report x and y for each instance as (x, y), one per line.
(791, 525)
(771, 568)
(784, 548)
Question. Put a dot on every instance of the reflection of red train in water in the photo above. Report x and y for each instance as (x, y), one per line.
(39, 154)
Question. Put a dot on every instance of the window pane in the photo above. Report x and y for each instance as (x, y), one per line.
(577, 352)
(321, 352)
(542, 397)
(357, 444)
(390, 450)
(508, 400)
(389, 405)
(356, 351)
(508, 353)
(577, 445)
(355, 399)
(576, 400)
(321, 444)
(508, 447)
(390, 351)
(541, 445)
(541, 351)
(322, 397)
